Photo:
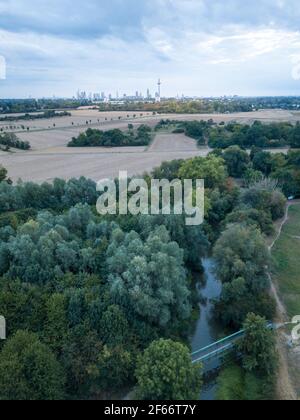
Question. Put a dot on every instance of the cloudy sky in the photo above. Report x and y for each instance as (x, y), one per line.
(197, 47)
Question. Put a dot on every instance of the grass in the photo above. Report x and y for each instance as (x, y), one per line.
(286, 256)
(234, 384)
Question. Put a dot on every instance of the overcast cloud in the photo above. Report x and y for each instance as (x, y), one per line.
(197, 47)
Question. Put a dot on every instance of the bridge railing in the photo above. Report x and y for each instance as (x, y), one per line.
(220, 347)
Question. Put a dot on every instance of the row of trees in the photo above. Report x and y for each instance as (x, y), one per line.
(195, 129)
(11, 140)
(113, 138)
(27, 117)
(257, 134)
(14, 106)
(258, 165)
(211, 105)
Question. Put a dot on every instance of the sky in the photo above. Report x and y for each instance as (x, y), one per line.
(197, 47)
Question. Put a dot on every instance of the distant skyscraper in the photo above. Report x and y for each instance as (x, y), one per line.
(81, 96)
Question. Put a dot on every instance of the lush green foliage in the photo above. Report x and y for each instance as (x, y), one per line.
(257, 134)
(11, 140)
(113, 138)
(165, 372)
(237, 161)
(29, 370)
(242, 262)
(234, 384)
(258, 346)
(57, 196)
(3, 175)
(97, 291)
(195, 129)
(285, 169)
(212, 169)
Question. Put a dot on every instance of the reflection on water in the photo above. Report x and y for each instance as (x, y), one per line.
(206, 331)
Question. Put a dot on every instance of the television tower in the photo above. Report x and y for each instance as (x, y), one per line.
(159, 91)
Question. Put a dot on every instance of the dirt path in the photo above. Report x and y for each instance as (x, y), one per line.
(280, 305)
(285, 387)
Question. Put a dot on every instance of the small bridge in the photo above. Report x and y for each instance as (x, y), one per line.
(221, 347)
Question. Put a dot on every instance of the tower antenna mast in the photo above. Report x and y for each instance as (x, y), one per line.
(159, 90)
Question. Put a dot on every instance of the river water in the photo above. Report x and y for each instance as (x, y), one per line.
(206, 330)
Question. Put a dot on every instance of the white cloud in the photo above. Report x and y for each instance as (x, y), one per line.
(113, 45)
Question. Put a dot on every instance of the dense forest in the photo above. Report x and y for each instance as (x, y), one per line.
(96, 305)
(113, 138)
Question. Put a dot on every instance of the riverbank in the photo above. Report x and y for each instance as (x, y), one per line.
(207, 330)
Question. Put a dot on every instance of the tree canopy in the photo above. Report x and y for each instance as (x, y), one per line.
(165, 372)
(29, 370)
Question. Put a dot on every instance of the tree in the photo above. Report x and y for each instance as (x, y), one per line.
(212, 169)
(80, 356)
(165, 372)
(258, 346)
(29, 370)
(262, 161)
(114, 368)
(56, 327)
(168, 170)
(236, 301)
(295, 137)
(148, 277)
(265, 196)
(241, 251)
(249, 216)
(114, 328)
(237, 161)
(3, 175)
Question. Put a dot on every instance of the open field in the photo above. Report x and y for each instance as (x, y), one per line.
(93, 164)
(174, 142)
(286, 255)
(50, 157)
(80, 118)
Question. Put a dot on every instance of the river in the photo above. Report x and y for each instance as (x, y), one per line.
(206, 330)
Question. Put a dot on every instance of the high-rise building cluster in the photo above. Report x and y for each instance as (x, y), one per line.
(109, 97)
